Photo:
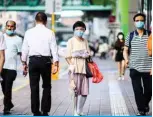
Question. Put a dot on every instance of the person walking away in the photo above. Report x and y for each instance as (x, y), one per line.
(119, 47)
(140, 63)
(40, 44)
(9, 72)
(77, 52)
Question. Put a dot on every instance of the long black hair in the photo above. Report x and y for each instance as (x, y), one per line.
(118, 43)
(120, 33)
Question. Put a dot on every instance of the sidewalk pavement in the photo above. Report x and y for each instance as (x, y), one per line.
(110, 97)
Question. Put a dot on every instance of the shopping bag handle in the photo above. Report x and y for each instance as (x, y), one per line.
(89, 59)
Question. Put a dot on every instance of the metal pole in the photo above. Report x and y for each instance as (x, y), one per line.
(54, 76)
(53, 17)
(53, 22)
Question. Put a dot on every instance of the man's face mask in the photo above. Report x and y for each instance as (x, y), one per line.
(10, 32)
(139, 24)
(10, 28)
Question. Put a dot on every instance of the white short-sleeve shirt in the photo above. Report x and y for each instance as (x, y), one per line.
(14, 45)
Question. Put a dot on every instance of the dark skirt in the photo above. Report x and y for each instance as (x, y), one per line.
(119, 57)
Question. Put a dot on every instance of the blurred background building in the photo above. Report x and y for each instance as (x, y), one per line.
(103, 18)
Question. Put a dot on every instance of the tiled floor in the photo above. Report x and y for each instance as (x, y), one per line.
(110, 97)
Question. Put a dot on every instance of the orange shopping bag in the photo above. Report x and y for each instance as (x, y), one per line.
(56, 75)
(97, 75)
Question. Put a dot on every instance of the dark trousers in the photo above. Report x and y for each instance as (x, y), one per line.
(103, 55)
(8, 77)
(142, 86)
(40, 66)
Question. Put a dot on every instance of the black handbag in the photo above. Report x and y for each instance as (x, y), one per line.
(88, 71)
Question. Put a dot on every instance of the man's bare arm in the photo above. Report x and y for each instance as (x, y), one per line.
(126, 56)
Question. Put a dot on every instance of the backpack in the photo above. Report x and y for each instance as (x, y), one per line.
(132, 35)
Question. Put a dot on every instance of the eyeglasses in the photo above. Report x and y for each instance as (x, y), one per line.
(139, 20)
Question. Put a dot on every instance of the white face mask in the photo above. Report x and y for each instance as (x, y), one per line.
(120, 36)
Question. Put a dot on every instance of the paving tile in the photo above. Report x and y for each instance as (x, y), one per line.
(98, 102)
(94, 112)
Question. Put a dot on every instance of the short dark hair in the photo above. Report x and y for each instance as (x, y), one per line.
(41, 17)
(79, 24)
(11, 21)
(140, 14)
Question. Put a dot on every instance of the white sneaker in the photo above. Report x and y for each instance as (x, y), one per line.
(119, 78)
(122, 77)
(82, 114)
(76, 114)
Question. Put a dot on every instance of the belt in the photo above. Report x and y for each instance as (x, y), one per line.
(39, 56)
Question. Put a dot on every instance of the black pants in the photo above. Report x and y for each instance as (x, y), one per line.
(142, 86)
(7, 83)
(40, 66)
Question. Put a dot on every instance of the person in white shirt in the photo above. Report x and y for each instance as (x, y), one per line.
(39, 45)
(2, 53)
(9, 72)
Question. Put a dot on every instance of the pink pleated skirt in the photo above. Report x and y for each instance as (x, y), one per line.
(82, 83)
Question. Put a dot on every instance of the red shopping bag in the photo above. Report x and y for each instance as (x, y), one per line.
(97, 75)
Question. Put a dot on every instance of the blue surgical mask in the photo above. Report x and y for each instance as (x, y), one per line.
(10, 32)
(78, 33)
(139, 24)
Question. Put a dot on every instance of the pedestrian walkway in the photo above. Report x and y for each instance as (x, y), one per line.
(110, 97)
